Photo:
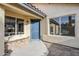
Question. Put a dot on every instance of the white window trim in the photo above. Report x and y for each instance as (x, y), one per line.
(48, 23)
(48, 26)
(15, 26)
(60, 25)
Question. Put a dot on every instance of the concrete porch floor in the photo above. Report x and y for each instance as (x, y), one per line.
(39, 48)
(34, 48)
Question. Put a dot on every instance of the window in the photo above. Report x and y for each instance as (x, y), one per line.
(64, 26)
(51, 30)
(20, 26)
(54, 26)
(13, 25)
(9, 26)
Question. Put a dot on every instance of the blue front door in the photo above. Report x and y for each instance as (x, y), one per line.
(35, 29)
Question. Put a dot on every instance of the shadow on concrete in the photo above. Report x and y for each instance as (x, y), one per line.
(7, 51)
(56, 49)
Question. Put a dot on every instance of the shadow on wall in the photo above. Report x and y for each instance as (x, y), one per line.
(56, 49)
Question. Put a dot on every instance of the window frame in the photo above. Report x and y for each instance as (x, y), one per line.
(7, 24)
(16, 25)
(60, 26)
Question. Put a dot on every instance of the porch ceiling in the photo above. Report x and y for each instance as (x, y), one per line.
(20, 11)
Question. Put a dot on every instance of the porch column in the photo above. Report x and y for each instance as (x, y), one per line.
(77, 26)
(2, 17)
(43, 25)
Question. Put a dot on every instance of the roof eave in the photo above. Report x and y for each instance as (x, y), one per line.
(29, 8)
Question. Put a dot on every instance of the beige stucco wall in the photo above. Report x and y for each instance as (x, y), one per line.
(14, 10)
(26, 26)
(5, 11)
(56, 10)
(2, 13)
(8, 10)
(17, 40)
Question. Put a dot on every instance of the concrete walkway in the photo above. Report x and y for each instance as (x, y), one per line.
(56, 49)
(35, 48)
